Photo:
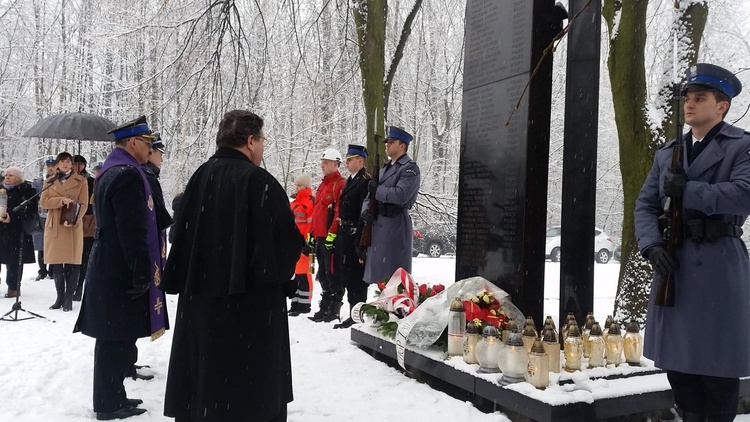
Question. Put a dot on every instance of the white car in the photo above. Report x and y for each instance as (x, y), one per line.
(604, 246)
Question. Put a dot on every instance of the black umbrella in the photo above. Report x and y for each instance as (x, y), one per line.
(78, 126)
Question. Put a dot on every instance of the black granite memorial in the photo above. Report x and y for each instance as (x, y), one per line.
(505, 146)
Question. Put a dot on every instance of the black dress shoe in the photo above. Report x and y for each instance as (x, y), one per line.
(138, 376)
(121, 413)
(346, 324)
(134, 402)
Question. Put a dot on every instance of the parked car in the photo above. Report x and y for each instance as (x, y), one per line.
(435, 239)
(604, 246)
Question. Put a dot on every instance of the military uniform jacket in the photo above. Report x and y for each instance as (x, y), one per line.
(392, 237)
(705, 333)
(350, 231)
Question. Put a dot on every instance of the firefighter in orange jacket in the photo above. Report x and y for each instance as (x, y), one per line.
(302, 207)
(325, 226)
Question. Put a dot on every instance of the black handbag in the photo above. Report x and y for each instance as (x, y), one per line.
(32, 224)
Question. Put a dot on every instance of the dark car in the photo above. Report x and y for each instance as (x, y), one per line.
(435, 239)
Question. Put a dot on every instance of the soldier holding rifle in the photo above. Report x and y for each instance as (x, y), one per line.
(701, 340)
(395, 191)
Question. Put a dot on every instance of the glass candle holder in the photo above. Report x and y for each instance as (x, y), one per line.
(487, 350)
(470, 343)
(537, 370)
(456, 328)
(514, 360)
(552, 348)
(633, 344)
(596, 347)
(573, 349)
(613, 345)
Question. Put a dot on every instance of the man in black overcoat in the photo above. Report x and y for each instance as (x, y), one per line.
(232, 261)
(350, 256)
(124, 268)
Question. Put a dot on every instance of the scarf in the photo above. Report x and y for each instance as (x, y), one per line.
(156, 298)
(9, 187)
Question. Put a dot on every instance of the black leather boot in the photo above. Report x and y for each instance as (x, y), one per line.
(693, 417)
(325, 303)
(70, 286)
(60, 288)
(333, 311)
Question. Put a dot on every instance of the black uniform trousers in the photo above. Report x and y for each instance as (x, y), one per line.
(325, 270)
(349, 269)
(111, 359)
(88, 243)
(714, 397)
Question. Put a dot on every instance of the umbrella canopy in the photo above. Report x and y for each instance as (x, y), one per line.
(77, 126)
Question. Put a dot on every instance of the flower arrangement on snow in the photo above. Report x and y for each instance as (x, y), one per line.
(420, 313)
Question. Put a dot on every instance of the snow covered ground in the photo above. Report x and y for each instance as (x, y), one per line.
(46, 370)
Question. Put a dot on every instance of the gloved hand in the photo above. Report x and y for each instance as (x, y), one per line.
(311, 242)
(306, 250)
(661, 260)
(366, 217)
(372, 187)
(361, 252)
(674, 183)
(329, 241)
(137, 291)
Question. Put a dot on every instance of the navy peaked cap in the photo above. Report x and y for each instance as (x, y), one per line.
(398, 133)
(356, 150)
(710, 76)
(137, 127)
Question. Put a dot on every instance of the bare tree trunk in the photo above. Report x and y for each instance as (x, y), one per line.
(637, 142)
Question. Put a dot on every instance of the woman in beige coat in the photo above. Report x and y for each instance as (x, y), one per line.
(63, 243)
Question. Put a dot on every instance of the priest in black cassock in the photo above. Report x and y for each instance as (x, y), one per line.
(232, 263)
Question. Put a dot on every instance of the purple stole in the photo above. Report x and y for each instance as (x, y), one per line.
(156, 298)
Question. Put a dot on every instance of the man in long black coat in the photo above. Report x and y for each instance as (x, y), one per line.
(232, 263)
(120, 303)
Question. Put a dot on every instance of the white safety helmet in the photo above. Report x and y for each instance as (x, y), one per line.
(331, 154)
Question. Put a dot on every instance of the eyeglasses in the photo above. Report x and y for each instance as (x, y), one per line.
(149, 143)
(259, 137)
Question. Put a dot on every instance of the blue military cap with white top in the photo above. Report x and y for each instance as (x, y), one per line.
(712, 77)
(137, 127)
(398, 133)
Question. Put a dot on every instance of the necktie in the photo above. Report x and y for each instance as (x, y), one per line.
(697, 148)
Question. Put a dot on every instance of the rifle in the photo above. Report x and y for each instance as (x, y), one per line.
(366, 239)
(674, 232)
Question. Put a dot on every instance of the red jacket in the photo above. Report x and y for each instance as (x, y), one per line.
(328, 193)
(302, 208)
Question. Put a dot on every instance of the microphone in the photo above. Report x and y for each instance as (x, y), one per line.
(56, 176)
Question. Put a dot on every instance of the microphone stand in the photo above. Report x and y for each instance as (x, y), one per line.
(17, 305)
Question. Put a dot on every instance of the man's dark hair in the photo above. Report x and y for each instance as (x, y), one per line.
(63, 156)
(720, 96)
(235, 128)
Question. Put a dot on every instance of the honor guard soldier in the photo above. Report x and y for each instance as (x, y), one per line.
(710, 266)
(395, 192)
(350, 257)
